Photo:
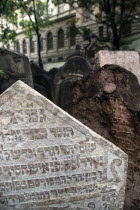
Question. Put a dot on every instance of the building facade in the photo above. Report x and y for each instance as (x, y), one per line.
(56, 46)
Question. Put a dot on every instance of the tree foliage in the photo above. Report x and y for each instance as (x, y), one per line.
(3, 4)
(8, 18)
(115, 14)
(31, 15)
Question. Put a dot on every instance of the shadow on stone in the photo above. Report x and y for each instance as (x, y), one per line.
(43, 81)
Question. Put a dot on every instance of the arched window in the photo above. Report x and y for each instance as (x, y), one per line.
(24, 45)
(17, 46)
(41, 42)
(50, 41)
(8, 46)
(32, 45)
(60, 38)
(87, 15)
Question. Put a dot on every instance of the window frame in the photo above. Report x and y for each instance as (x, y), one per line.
(32, 45)
(60, 39)
(50, 41)
(24, 46)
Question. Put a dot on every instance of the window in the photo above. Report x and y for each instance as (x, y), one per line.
(87, 15)
(60, 38)
(14, 47)
(32, 47)
(50, 8)
(17, 46)
(49, 59)
(50, 41)
(24, 45)
(60, 58)
(41, 42)
(101, 32)
(60, 8)
(127, 28)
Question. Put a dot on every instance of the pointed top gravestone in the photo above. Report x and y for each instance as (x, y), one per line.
(49, 160)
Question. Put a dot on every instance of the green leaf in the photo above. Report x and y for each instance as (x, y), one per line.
(2, 72)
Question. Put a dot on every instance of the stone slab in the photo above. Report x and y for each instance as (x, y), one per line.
(15, 66)
(76, 66)
(51, 161)
(129, 60)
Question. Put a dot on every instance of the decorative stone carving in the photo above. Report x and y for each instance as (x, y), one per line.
(49, 160)
(110, 87)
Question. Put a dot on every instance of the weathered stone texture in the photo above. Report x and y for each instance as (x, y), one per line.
(108, 102)
(75, 68)
(14, 66)
(129, 60)
(49, 160)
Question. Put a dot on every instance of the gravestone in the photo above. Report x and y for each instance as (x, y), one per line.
(14, 66)
(129, 60)
(49, 160)
(76, 66)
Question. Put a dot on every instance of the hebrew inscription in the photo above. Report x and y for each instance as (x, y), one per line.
(49, 160)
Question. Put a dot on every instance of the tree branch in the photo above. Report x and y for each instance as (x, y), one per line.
(121, 16)
(114, 7)
(34, 11)
(26, 10)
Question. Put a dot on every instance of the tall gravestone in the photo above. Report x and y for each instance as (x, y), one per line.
(129, 60)
(14, 67)
(51, 161)
(75, 68)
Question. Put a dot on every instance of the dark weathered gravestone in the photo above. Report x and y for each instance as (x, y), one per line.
(49, 160)
(75, 68)
(13, 67)
(108, 102)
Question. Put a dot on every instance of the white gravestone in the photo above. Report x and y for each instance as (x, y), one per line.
(51, 161)
(129, 60)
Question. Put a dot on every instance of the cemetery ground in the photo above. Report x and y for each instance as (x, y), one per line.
(49, 159)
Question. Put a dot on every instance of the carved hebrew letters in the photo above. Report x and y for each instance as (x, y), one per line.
(114, 163)
(49, 159)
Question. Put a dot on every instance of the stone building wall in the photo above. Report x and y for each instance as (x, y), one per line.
(57, 57)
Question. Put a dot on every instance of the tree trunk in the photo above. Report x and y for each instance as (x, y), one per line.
(39, 49)
(116, 40)
(116, 36)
